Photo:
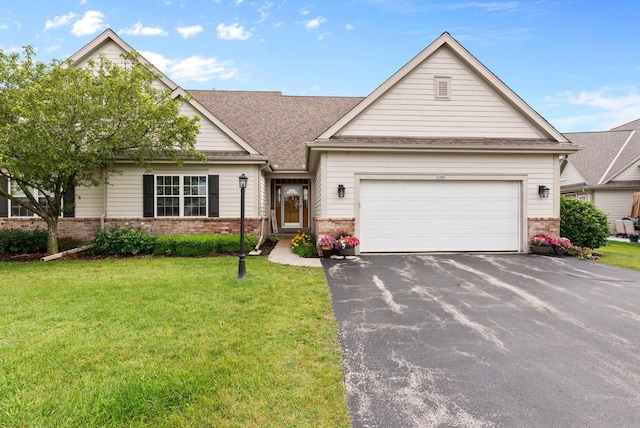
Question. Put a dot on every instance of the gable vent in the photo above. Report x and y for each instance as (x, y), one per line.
(442, 88)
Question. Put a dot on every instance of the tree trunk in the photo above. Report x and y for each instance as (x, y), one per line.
(52, 238)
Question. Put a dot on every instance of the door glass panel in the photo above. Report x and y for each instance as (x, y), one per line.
(291, 207)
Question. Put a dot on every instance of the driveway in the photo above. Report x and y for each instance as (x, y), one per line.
(488, 341)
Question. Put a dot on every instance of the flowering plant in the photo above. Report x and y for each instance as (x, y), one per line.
(327, 241)
(544, 241)
(347, 242)
(564, 243)
(549, 241)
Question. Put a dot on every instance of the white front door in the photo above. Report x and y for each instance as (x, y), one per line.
(291, 205)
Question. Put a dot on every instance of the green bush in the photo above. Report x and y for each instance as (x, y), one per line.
(304, 245)
(115, 241)
(583, 223)
(18, 241)
(201, 245)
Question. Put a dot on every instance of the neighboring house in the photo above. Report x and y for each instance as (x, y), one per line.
(606, 171)
(443, 156)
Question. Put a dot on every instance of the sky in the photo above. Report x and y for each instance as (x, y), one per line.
(576, 62)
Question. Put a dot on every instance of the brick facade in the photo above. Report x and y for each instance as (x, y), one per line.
(549, 226)
(85, 228)
(334, 226)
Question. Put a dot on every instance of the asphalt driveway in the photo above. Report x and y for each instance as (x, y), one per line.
(489, 340)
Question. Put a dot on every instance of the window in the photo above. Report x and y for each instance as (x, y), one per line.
(18, 210)
(583, 198)
(181, 196)
(442, 88)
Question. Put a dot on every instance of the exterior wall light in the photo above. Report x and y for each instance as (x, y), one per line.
(543, 191)
(340, 191)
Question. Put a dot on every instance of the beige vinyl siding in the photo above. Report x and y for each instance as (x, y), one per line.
(409, 108)
(210, 138)
(632, 173)
(317, 191)
(263, 189)
(615, 203)
(534, 170)
(113, 53)
(570, 175)
(110, 49)
(124, 193)
(89, 201)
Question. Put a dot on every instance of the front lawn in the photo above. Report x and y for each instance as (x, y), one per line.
(623, 254)
(168, 342)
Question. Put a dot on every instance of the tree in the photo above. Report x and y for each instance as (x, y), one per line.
(583, 223)
(63, 126)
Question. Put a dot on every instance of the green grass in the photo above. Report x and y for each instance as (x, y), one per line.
(168, 342)
(623, 254)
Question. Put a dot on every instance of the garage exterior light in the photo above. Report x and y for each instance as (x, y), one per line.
(543, 191)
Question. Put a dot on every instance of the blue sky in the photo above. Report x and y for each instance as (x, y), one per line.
(575, 62)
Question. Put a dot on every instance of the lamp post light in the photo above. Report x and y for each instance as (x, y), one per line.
(242, 269)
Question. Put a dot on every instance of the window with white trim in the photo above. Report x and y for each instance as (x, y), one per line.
(181, 196)
(583, 198)
(18, 210)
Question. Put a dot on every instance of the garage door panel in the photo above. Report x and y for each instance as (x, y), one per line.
(439, 216)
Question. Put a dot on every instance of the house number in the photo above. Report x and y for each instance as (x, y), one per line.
(439, 177)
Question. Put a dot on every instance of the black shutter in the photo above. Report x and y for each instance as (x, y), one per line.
(147, 195)
(214, 196)
(70, 198)
(4, 202)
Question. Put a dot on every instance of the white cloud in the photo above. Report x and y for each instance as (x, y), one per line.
(192, 69)
(239, 2)
(4, 27)
(233, 32)
(601, 109)
(59, 21)
(313, 24)
(139, 30)
(190, 31)
(305, 12)
(264, 11)
(349, 27)
(90, 23)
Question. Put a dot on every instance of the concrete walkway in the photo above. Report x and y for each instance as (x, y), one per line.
(282, 254)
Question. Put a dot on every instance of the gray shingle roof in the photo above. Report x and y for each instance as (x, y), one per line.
(604, 153)
(276, 125)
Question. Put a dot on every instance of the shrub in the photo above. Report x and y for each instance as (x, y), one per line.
(304, 245)
(201, 245)
(18, 241)
(583, 223)
(115, 241)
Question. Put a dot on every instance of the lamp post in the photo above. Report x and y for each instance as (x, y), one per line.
(242, 269)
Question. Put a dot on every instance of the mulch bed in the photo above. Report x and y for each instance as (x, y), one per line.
(85, 255)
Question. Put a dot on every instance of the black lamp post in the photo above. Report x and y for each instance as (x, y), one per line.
(242, 269)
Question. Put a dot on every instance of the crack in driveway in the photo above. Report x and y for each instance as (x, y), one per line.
(488, 340)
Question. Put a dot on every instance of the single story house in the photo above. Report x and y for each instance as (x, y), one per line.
(606, 171)
(442, 156)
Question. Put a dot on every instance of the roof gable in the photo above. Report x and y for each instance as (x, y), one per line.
(113, 46)
(601, 150)
(413, 87)
(214, 135)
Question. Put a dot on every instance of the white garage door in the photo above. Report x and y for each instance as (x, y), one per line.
(405, 216)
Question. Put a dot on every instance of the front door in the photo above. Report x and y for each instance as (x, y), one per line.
(292, 206)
